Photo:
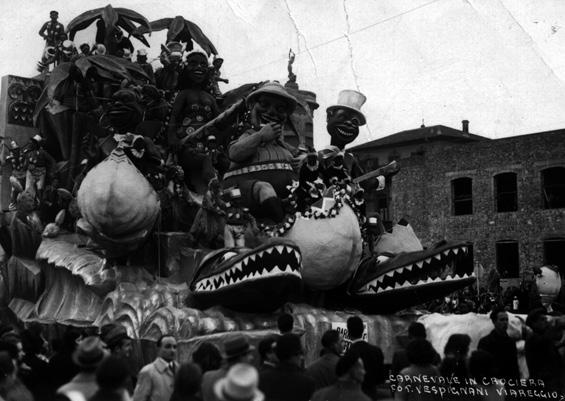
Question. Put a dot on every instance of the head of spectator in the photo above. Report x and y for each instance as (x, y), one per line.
(350, 367)
(355, 327)
(457, 346)
(285, 323)
(33, 343)
(238, 350)
(13, 338)
(266, 350)
(207, 356)
(89, 354)
(416, 330)
(117, 339)
(420, 352)
(537, 320)
(167, 347)
(187, 381)
(499, 318)
(332, 341)
(482, 365)
(241, 384)
(112, 376)
(289, 349)
(7, 368)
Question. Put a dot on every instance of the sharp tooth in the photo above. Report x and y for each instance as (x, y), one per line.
(399, 270)
(297, 256)
(446, 252)
(428, 260)
(455, 251)
(409, 267)
(466, 275)
(237, 267)
(429, 280)
(260, 254)
(280, 248)
(390, 273)
(380, 279)
(288, 268)
(437, 280)
(379, 290)
(438, 256)
(464, 249)
(420, 264)
(269, 250)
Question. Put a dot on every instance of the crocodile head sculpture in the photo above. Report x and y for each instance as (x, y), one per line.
(401, 273)
(243, 279)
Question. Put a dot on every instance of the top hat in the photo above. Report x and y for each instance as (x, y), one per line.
(273, 88)
(240, 384)
(142, 52)
(89, 352)
(351, 100)
(237, 346)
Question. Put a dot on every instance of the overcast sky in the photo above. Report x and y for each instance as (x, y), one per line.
(498, 63)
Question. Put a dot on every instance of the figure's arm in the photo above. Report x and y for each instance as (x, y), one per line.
(42, 30)
(246, 145)
(144, 386)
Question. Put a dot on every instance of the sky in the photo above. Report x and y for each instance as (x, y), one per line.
(498, 63)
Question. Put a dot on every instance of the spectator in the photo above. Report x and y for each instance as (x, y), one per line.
(421, 355)
(455, 356)
(120, 345)
(501, 346)
(240, 383)
(416, 331)
(323, 369)
(141, 60)
(543, 359)
(37, 378)
(285, 323)
(88, 356)
(351, 373)
(208, 357)
(288, 380)
(11, 389)
(156, 380)
(187, 383)
(112, 377)
(236, 350)
(482, 369)
(267, 353)
(372, 356)
(62, 367)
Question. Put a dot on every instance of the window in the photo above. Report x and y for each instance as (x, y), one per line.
(462, 196)
(553, 187)
(553, 252)
(506, 190)
(508, 259)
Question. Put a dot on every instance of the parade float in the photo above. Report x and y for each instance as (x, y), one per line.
(181, 209)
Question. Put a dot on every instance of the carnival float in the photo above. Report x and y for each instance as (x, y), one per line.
(163, 204)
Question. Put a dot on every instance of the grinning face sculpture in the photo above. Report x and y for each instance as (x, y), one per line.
(197, 68)
(269, 109)
(343, 126)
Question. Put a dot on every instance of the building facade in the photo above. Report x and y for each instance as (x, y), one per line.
(506, 196)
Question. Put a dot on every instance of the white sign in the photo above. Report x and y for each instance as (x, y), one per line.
(341, 327)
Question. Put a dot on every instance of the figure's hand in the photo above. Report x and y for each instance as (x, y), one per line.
(297, 161)
(270, 132)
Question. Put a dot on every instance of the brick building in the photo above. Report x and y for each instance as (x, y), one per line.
(506, 196)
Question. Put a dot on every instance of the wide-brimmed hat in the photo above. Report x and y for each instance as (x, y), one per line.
(89, 353)
(237, 346)
(240, 384)
(351, 100)
(276, 89)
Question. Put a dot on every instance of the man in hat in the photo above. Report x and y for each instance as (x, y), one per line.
(322, 370)
(156, 380)
(119, 44)
(52, 30)
(141, 60)
(241, 384)
(87, 356)
(236, 350)
(119, 344)
(261, 162)
(166, 77)
(39, 163)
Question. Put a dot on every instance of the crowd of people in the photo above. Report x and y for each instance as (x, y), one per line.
(97, 366)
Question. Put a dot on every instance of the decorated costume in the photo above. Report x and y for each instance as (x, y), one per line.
(38, 164)
(17, 160)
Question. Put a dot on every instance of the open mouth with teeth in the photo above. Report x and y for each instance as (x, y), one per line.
(346, 131)
(258, 279)
(387, 283)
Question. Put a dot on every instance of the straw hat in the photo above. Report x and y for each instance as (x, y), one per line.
(273, 88)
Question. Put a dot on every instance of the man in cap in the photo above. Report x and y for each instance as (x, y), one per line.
(141, 60)
(87, 356)
(350, 372)
(156, 380)
(288, 380)
(236, 350)
(52, 30)
(261, 161)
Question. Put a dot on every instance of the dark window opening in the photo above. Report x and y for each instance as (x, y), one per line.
(466, 263)
(508, 259)
(553, 253)
(506, 190)
(553, 187)
(462, 195)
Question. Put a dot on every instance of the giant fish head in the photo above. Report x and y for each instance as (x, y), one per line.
(258, 279)
(389, 281)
